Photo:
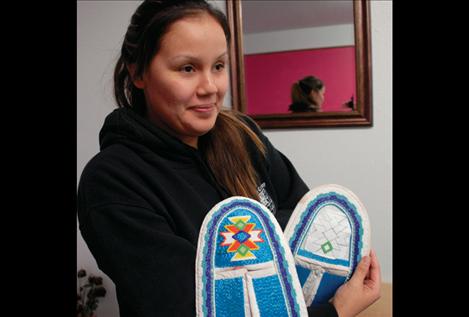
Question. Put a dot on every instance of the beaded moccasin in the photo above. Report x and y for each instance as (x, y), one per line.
(328, 233)
(244, 266)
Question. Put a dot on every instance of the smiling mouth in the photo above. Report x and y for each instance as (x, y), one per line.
(203, 108)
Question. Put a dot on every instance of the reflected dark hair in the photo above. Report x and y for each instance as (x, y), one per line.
(148, 25)
(301, 90)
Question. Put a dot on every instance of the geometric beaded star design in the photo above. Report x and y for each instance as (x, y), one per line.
(240, 238)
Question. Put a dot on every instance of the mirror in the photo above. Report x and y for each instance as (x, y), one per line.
(267, 57)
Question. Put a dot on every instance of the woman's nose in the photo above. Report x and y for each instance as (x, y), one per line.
(207, 85)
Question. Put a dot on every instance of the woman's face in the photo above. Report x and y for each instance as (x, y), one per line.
(187, 79)
(318, 96)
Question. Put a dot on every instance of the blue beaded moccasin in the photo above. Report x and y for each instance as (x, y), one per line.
(244, 266)
(328, 233)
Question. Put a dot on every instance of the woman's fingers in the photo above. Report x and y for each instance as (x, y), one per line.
(375, 270)
(361, 271)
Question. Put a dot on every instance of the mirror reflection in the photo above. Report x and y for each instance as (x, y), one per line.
(307, 94)
(299, 56)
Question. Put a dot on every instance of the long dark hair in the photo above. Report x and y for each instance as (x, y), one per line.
(301, 90)
(225, 145)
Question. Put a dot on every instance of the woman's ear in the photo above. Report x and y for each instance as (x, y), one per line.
(138, 82)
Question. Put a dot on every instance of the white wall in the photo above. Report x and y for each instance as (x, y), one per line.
(298, 39)
(359, 158)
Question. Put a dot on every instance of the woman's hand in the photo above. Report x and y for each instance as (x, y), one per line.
(362, 290)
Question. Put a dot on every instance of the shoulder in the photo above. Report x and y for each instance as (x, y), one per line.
(299, 106)
(110, 177)
(109, 156)
(109, 163)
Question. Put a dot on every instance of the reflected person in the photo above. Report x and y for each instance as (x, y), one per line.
(307, 95)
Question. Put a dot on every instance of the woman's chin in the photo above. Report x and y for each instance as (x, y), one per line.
(200, 127)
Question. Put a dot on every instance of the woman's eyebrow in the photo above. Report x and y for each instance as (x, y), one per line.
(192, 57)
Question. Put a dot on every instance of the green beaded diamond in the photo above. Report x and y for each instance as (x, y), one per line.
(326, 247)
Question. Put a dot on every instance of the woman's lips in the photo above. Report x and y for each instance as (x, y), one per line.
(203, 108)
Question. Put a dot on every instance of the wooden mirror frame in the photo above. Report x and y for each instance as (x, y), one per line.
(362, 116)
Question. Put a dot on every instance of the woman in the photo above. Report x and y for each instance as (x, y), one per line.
(307, 94)
(168, 154)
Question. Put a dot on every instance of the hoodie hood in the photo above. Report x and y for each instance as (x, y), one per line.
(124, 126)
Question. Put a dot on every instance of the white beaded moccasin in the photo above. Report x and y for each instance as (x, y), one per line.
(244, 266)
(328, 233)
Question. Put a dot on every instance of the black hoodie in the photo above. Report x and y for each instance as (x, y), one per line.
(142, 200)
(302, 107)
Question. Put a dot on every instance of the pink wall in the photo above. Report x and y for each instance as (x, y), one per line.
(269, 77)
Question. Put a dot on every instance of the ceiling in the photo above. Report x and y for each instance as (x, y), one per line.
(264, 16)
